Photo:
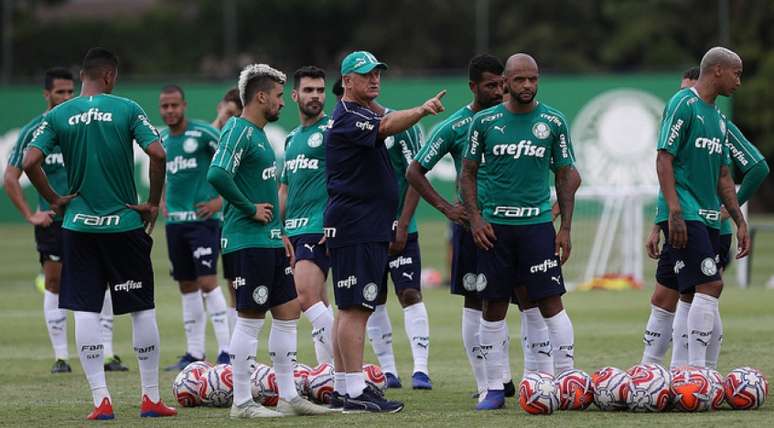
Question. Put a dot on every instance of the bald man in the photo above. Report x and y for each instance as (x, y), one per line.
(515, 145)
(693, 170)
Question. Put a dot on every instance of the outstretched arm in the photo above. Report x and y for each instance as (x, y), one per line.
(401, 120)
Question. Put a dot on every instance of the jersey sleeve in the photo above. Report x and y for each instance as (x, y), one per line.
(16, 156)
(562, 153)
(474, 142)
(357, 127)
(436, 147)
(674, 125)
(210, 136)
(44, 136)
(744, 155)
(143, 132)
(230, 151)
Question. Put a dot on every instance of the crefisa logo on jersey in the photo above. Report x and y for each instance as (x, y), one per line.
(93, 115)
(270, 172)
(190, 145)
(522, 148)
(180, 163)
(541, 131)
(315, 140)
(301, 162)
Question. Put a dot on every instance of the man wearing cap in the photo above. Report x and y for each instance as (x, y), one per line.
(363, 199)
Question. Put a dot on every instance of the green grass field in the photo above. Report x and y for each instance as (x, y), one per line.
(608, 329)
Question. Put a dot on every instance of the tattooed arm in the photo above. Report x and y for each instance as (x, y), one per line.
(567, 182)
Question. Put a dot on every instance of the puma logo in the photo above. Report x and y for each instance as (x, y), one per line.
(309, 247)
(408, 275)
(422, 345)
(207, 263)
(557, 279)
(703, 342)
(500, 128)
(648, 342)
(546, 353)
(701, 118)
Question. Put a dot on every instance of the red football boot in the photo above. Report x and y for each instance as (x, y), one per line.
(103, 412)
(149, 409)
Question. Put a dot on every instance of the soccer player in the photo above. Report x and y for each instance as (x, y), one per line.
(228, 107)
(244, 172)
(405, 268)
(302, 201)
(105, 237)
(358, 220)
(193, 212)
(449, 137)
(511, 150)
(694, 136)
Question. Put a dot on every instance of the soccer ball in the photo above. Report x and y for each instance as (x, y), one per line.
(538, 393)
(185, 388)
(263, 385)
(321, 383)
(648, 388)
(611, 388)
(691, 390)
(746, 388)
(575, 392)
(198, 368)
(717, 394)
(374, 376)
(301, 379)
(217, 388)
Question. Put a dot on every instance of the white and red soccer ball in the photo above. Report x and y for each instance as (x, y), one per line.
(301, 379)
(746, 388)
(374, 376)
(649, 388)
(217, 387)
(611, 388)
(187, 383)
(538, 393)
(691, 389)
(263, 385)
(717, 395)
(321, 383)
(575, 390)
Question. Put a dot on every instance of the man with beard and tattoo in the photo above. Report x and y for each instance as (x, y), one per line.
(302, 200)
(511, 150)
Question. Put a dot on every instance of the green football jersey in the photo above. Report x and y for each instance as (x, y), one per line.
(402, 148)
(516, 152)
(96, 135)
(245, 153)
(53, 164)
(188, 158)
(694, 132)
(744, 155)
(304, 174)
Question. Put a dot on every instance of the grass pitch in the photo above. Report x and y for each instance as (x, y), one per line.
(608, 330)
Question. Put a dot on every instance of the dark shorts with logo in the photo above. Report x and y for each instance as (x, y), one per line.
(724, 248)
(406, 268)
(522, 256)
(306, 247)
(683, 269)
(228, 268)
(48, 241)
(193, 249)
(120, 261)
(263, 278)
(463, 266)
(358, 273)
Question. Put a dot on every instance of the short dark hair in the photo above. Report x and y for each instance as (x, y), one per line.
(338, 88)
(56, 73)
(484, 63)
(171, 89)
(232, 96)
(307, 71)
(692, 73)
(98, 60)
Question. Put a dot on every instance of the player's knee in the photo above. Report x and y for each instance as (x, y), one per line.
(713, 288)
(550, 306)
(473, 302)
(409, 296)
(664, 298)
(188, 287)
(494, 310)
(207, 283)
(52, 283)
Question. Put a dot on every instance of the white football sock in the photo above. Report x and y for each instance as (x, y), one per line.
(680, 335)
(145, 338)
(418, 332)
(91, 353)
(701, 320)
(658, 335)
(56, 323)
(523, 340)
(471, 324)
(492, 335)
(194, 323)
(322, 327)
(507, 375)
(243, 347)
(355, 384)
(379, 331)
(282, 349)
(232, 318)
(540, 358)
(106, 325)
(218, 310)
(562, 338)
(340, 382)
(713, 350)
